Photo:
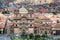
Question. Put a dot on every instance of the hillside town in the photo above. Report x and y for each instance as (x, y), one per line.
(29, 19)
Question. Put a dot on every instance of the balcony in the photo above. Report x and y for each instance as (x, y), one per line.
(30, 18)
(16, 18)
(23, 24)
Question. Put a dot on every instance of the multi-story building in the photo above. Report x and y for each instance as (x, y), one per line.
(29, 22)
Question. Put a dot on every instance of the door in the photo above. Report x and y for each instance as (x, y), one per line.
(1, 31)
(31, 30)
(16, 30)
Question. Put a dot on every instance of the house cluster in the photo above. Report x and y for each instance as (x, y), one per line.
(20, 17)
(28, 21)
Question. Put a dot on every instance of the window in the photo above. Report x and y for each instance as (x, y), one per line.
(58, 21)
(30, 20)
(16, 11)
(16, 20)
(31, 25)
(46, 22)
(45, 0)
(41, 28)
(23, 24)
(54, 32)
(49, 31)
(43, 22)
(16, 25)
(40, 1)
(35, 31)
(41, 32)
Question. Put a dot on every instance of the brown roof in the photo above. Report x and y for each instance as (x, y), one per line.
(56, 25)
(42, 17)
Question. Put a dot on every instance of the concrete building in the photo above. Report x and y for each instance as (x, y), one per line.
(29, 22)
(55, 23)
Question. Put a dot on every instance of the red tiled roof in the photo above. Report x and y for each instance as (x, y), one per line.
(42, 10)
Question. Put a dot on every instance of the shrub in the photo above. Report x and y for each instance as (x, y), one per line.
(31, 36)
(15, 38)
(58, 39)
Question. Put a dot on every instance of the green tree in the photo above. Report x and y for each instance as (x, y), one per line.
(5, 12)
(15, 38)
(54, 13)
(45, 35)
(37, 37)
(31, 36)
(24, 35)
(58, 39)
